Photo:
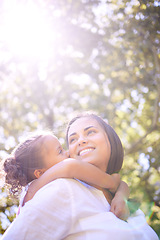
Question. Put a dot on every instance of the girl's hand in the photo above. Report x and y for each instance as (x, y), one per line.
(119, 206)
(116, 181)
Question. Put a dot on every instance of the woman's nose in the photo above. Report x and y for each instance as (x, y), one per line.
(82, 140)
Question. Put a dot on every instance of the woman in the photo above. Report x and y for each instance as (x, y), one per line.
(70, 209)
(92, 140)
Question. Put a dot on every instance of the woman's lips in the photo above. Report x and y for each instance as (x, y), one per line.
(85, 151)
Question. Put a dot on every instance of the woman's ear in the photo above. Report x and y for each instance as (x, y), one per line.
(39, 172)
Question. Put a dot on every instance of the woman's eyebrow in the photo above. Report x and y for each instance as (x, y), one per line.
(84, 130)
(72, 134)
(89, 128)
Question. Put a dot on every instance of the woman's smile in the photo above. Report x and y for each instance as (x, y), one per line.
(85, 151)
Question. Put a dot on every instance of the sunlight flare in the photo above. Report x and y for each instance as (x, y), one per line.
(26, 29)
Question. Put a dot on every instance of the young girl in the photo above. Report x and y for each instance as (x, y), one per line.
(41, 158)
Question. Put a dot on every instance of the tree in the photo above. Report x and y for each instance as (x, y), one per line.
(104, 57)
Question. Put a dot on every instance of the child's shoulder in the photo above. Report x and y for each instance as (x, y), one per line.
(22, 197)
(24, 193)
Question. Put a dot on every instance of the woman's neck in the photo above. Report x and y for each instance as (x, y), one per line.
(107, 195)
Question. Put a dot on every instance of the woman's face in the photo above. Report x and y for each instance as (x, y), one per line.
(88, 142)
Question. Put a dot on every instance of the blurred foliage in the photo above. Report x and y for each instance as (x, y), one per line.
(105, 57)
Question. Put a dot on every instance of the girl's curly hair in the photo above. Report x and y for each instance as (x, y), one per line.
(14, 175)
(19, 167)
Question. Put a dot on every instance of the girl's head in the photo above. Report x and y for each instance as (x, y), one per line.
(91, 139)
(32, 158)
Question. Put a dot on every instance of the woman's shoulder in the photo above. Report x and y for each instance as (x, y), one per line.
(68, 185)
(59, 184)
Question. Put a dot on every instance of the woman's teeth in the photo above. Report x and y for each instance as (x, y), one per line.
(85, 151)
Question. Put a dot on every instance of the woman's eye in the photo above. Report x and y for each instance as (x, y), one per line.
(91, 131)
(71, 140)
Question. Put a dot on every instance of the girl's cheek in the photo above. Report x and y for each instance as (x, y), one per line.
(67, 154)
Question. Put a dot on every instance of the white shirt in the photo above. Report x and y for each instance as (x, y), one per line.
(68, 209)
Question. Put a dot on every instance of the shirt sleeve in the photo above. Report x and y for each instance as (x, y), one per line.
(140, 227)
(47, 216)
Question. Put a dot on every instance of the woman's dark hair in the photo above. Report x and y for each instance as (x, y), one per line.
(117, 152)
(19, 167)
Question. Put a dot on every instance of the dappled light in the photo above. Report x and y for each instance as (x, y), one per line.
(59, 58)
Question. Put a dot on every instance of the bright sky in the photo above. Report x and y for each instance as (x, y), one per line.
(25, 29)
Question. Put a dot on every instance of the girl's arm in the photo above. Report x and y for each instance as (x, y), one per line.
(119, 203)
(71, 168)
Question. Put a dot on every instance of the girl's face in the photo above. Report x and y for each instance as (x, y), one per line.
(52, 151)
(89, 142)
